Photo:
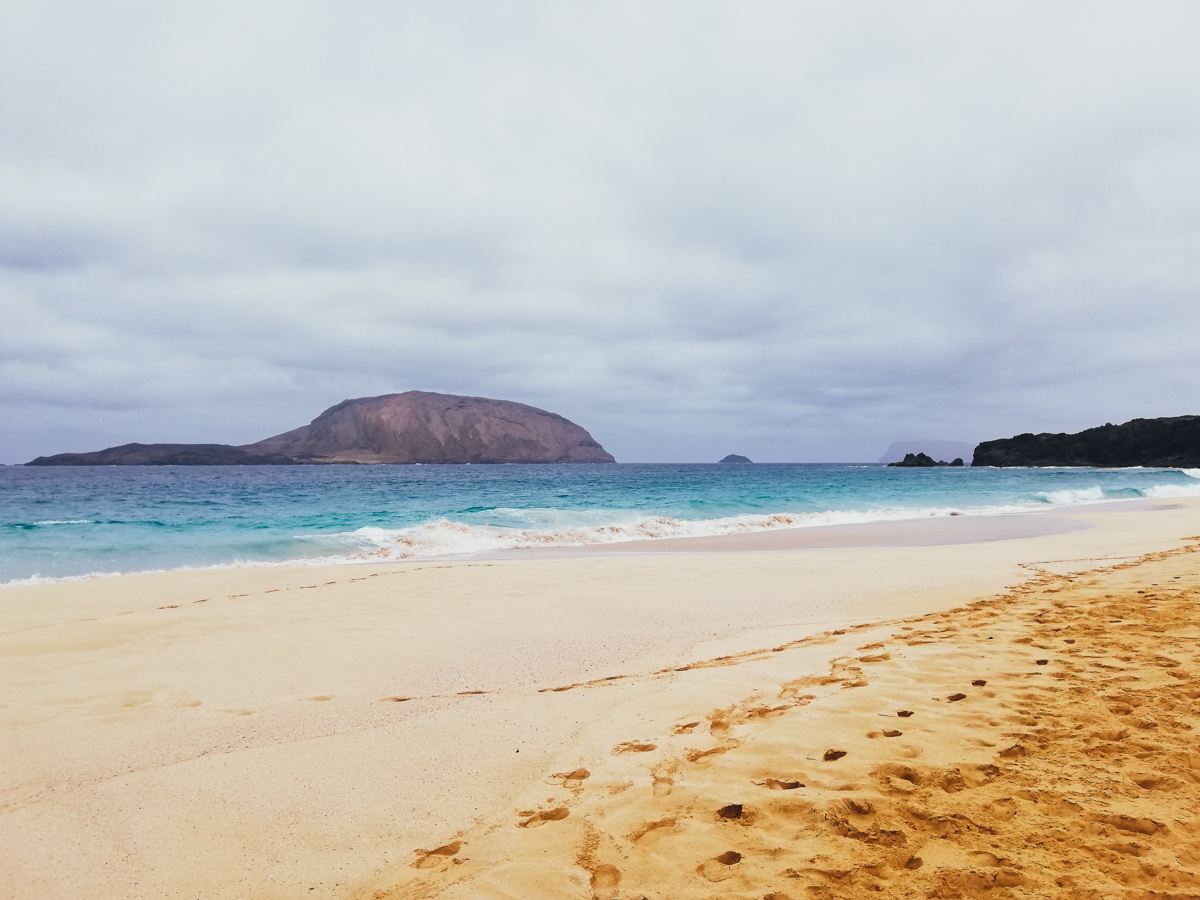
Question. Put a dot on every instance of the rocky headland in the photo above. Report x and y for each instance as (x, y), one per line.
(413, 427)
(1165, 443)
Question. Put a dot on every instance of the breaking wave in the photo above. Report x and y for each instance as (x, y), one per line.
(1098, 494)
(444, 537)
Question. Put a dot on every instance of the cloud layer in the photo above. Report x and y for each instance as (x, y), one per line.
(797, 231)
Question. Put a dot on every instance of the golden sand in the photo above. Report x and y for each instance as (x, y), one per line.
(619, 726)
(1040, 743)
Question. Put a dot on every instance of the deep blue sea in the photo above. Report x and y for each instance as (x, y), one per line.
(63, 522)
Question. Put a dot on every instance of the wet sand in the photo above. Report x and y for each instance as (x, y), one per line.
(927, 532)
(319, 731)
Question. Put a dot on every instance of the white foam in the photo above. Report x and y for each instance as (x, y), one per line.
(1069, 496)
(1166, 491)
(34, 580)
(1095, 494)
(66, 522)
(1191, 473)
(444, 537)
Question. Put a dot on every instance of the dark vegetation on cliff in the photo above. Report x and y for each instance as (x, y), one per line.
(413, 427)
(1166, 443)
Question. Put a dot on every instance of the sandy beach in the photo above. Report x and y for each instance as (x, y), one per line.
(718, 717)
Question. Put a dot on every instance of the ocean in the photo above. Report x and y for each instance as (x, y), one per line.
(71, 522)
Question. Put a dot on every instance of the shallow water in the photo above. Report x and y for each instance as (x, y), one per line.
(61, 522)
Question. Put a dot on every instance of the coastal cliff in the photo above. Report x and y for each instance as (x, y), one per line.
(1166, 443)
(413, 427)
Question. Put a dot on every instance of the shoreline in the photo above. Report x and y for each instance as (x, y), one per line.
(266, 730)
(951, 528)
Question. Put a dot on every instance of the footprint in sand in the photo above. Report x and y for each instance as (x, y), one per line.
(1133, 824)
(989, 859)
(859, 807)
(570, 779)
(605, 881)
(904, 713)
(833, 755)
(721, 867)
(428, 859)
(1003, 809)
(633, 747)
(652, 831)
(900, 777)
(663, 785)
(320, 698)
(777, 784)
(685, 729)
(541, 818)
(1156, 782)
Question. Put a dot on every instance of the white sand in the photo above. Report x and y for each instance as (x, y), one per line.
(228, 733)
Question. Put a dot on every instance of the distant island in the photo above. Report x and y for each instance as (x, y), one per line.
(1157, 443)
(734, 458)
(412, 427)
(922, 461)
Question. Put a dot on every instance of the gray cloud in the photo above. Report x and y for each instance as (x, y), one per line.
(794, 231)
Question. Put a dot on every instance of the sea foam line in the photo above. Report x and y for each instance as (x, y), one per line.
(447, 538)
(444, 537)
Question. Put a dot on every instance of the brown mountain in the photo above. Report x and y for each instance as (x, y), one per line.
(422, 427)
(413, 427)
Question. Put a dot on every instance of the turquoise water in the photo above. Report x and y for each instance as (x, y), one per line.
(61, 522)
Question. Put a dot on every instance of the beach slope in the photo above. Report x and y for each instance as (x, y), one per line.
(1039, 743)
(617, 725)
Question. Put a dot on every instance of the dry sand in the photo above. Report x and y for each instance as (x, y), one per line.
(404, 731)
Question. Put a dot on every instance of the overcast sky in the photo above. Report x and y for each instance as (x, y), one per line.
(795, 231)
